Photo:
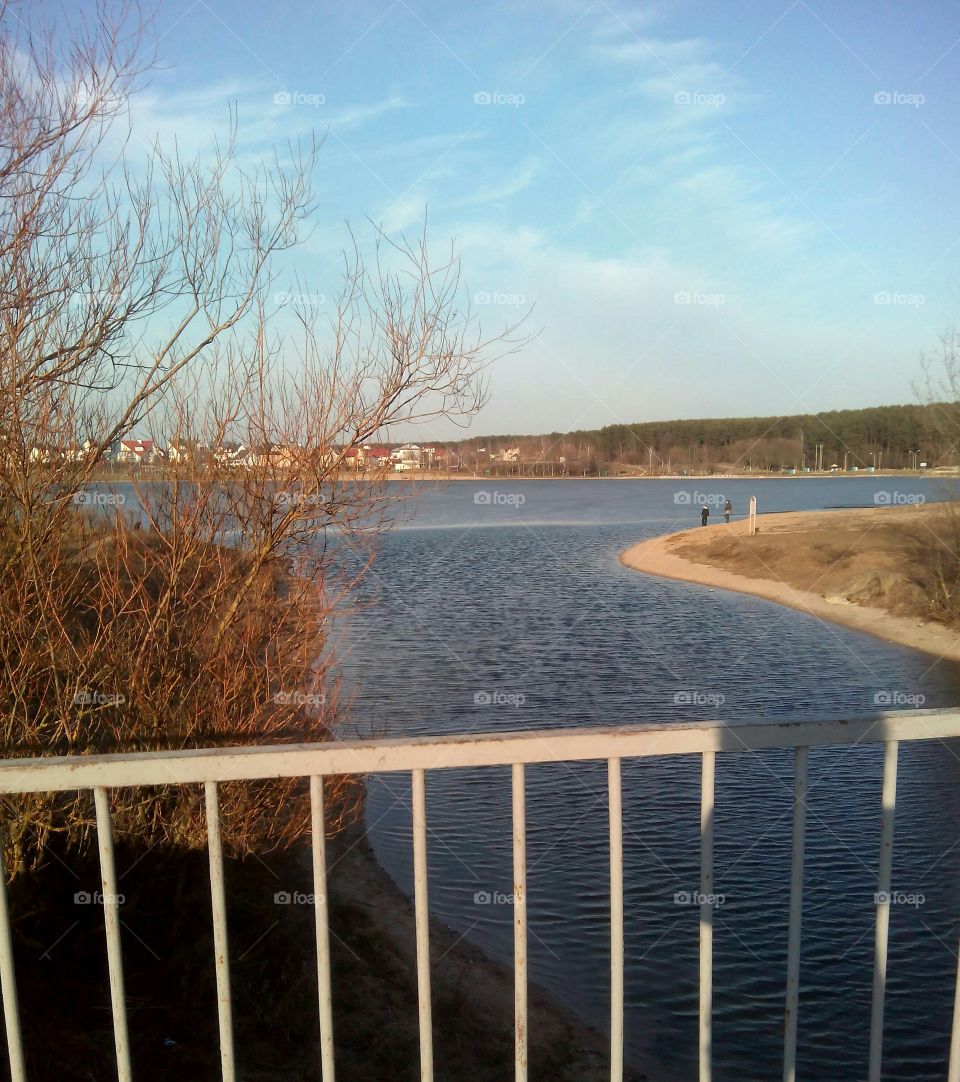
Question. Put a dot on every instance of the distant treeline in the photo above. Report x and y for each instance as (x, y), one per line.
(885, 436)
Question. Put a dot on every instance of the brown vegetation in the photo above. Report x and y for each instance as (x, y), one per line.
(192, 611)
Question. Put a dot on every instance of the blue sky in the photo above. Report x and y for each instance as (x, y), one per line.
(712, 209)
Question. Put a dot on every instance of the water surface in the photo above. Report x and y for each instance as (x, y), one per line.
(503, 606)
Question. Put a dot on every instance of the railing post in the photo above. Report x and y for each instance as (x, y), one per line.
(883, 907)
(322, 919)
(220, 946)
(422, 908)
(520, 922)
(8, 983)
(706, 915)
(111, 920)
(616, 920)
(796, 914)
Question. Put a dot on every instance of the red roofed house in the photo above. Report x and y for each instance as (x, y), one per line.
(134, 451)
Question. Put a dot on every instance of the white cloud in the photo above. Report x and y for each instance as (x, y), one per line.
(355, 116)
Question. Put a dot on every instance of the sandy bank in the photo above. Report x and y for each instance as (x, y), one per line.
(856, 568)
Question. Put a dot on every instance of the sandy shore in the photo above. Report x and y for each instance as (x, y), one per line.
(848, 567)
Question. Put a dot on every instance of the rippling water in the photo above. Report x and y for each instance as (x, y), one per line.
(500, 615)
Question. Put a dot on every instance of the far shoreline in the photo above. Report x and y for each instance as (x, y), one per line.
(658, 556)
(149, 474)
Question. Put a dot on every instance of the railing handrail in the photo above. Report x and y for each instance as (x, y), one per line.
(515, 749)
(374, 756)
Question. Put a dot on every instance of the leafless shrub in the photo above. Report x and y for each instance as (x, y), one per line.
(195, 613)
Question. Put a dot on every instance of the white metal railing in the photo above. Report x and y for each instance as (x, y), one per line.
(100, 773)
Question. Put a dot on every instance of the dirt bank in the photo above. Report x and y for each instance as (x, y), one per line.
(867, 569)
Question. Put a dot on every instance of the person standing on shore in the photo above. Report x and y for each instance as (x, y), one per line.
(727, 508)
(704, 515)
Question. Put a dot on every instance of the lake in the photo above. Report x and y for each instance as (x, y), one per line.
(499, 605)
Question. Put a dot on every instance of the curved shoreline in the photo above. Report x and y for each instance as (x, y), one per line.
(657, 557)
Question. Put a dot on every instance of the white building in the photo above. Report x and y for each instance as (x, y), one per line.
(408, 457)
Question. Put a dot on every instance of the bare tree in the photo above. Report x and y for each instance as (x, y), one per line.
(138, 301)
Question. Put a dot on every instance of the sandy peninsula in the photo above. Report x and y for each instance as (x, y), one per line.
(868, 569)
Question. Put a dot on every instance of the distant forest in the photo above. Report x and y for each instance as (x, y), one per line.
(895, 437)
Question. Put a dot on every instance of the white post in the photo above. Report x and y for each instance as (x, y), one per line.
(706, 915)
(883, 907)
(752, 517)
(322, 922)
(616, 920)
(8, 983)
(520, 922)
(111, 918)
(220, 948)
(422, 908)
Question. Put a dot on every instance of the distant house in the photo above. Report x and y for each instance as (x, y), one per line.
(248, 457)
(378, 455)
(134, 452)
(178, 452)
(231, 454)
(508, 454)
(83, 453)
(283, 456)
(408, 457)
(368, 456)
